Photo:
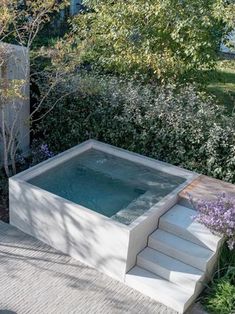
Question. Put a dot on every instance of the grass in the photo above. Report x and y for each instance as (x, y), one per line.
(222, 298)
(221, 83)
(219, 296)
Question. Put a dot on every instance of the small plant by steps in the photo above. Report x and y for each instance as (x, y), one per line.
(219, 296)
(218, 216)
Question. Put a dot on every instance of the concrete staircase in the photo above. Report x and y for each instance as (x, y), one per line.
(180, 255)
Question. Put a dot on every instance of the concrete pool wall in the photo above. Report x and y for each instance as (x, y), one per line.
(88, 236)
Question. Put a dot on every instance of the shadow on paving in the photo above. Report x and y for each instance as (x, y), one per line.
(35, 278)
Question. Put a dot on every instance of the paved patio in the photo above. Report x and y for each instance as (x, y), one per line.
(34, 278)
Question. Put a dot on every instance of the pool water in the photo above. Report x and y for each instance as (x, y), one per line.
(112, 186)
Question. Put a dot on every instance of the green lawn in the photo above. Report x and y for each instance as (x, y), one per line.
(221, 83)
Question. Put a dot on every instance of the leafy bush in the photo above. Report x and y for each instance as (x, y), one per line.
(151, 39)
(218, 216)
(178, 125)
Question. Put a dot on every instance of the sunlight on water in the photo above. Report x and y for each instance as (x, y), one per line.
(109, 185)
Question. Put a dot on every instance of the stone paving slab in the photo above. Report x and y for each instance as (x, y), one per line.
(36, 279)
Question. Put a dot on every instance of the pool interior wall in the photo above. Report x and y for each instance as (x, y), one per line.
(112, 186)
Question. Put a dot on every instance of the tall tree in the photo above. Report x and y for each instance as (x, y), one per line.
(152, 39)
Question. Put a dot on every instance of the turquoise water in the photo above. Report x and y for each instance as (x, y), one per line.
(109, 185)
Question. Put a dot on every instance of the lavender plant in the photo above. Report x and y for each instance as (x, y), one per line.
(40, 152)
(219, 216)
(44, 149)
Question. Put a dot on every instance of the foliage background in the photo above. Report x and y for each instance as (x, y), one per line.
(151, 40)
(176, 124)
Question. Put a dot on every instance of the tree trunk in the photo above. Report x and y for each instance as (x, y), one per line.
(4, 144)
(3, 117)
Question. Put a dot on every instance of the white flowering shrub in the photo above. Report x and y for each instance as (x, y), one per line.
(176, 124)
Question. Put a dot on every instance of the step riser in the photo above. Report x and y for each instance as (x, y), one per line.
(179, 255)
(185, 202)
(177, 278)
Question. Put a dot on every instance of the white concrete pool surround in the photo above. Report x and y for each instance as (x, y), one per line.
(92, 238)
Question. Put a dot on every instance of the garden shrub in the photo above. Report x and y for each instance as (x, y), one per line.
(179, 125)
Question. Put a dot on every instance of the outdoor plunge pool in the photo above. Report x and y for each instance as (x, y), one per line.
(96, 202)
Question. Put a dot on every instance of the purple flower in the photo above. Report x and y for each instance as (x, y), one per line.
(44, 149)
(219, 216)
(40, 152)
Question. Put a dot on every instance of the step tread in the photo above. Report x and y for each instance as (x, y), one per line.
(136, 207)
(182, 245)
(180, 218)
(173, 266)
(158, 288)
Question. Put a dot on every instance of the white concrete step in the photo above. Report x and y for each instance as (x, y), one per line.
(178, 220)
(169, 268)
(159, 289)
(180, 249)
